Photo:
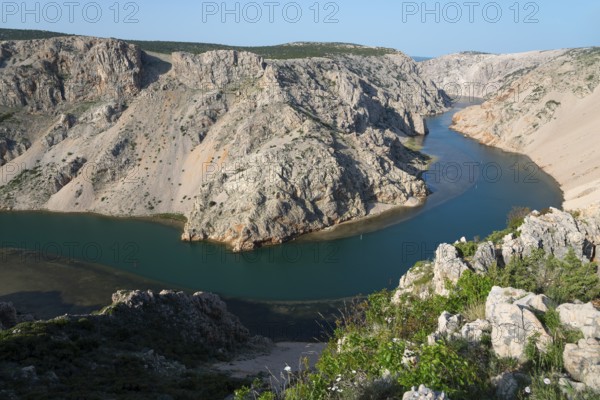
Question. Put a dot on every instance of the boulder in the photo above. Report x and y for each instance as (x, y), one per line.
(484, 257)
(423, 393)
(449, 324)
(584, 317)
(535, 302)
(556, 232)
(447, 267)
(513, 325)
(582, 362)
(473, 331)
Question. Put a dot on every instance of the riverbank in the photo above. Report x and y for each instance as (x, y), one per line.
(549, 114)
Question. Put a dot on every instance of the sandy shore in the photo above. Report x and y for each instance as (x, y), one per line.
(567, 147)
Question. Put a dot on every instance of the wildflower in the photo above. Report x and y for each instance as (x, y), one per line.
(547, 381)
(528, 390)
(396, 340)
(353, 371)
(288, 369)
(338, 379)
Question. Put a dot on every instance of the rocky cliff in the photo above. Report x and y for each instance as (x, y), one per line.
(251, 151)
(480, 75)
(548, 113)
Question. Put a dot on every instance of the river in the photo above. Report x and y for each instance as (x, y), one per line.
(474, 187)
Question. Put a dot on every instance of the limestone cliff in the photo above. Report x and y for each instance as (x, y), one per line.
(251, 151)
(549, 113)
(481, 75)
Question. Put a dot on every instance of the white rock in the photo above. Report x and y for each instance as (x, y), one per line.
(582, 362)
(584, 317)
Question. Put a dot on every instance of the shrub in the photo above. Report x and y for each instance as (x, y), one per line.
(516, 217)
(440, 367)
(467, 249)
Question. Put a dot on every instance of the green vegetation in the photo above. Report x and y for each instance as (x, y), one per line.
(62, 351)
(381, 348)
(285, 51)
(26, 34)
(172, 217)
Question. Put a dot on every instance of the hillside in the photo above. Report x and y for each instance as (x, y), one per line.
(550, 114)
(480, 75)
(226, 138)
(283, 51)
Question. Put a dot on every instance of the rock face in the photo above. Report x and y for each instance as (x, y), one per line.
(41, 74)
(300, 114)
(556, 232)
(251, 151)
(480, 75)
(582, 362)
(200, 320)
(484, 257)
(584, 317)
(448, 266)
(546, 112)
(513, 323)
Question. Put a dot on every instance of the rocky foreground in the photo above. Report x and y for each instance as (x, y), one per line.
(514, 316)
(143, 344)
(250, 151)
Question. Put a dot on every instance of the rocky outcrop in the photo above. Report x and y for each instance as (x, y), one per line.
(200, 320)
(582, 362)
(548, 114)
(42, 74)
(481, 75)
(424, 393)
(584, 317)
(416, 282)
(556, 232)
(145, 344)
(484, 258)
(338, 114)
(226, 138)
(448, 267)
(513, 323)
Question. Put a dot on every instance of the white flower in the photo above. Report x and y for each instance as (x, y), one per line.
(396, 340)
(528, 390)
(353, 371)
(288, 369)
(338, 379)
(547, 381)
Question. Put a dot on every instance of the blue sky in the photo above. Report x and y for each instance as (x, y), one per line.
(419, 28)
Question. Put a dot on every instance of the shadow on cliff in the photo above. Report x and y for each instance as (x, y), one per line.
(45, 305)
(153, 68)
(289, 322)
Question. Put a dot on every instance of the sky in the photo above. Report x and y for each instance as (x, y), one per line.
(418, 28)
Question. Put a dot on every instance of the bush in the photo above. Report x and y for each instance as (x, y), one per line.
(516, 217)
(467, 249)
(440, 367)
